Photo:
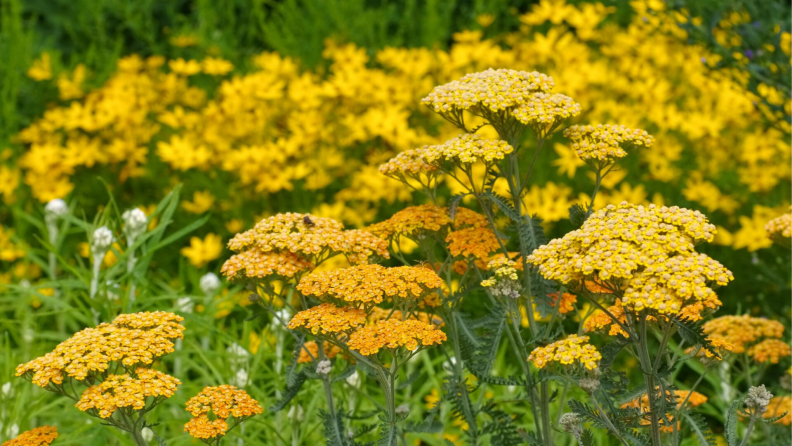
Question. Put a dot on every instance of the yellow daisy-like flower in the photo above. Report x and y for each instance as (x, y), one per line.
(392, 334)
(40, 436)
(566, 352)
(649, 252)
(122, 391)
(371, 284)
(328, 319)
(604, 142)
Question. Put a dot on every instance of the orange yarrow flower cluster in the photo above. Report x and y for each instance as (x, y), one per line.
(327, 318)
(476, 242)
(417, 221)
(131, 339)
(743, 331)
(310, 351)
(378, 314)
(648, 252)
(392, 334)
(40, 436)
(222, 402)
(567, 351)
(309, 236)
(770, 350)
(696, 399)
(567, 303)
(128, 390)
(778, 405)
(368, 285)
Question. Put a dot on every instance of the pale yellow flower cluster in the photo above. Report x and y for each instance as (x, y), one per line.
(605, 142)
(646, 252)
(543, 110)
(466, 148)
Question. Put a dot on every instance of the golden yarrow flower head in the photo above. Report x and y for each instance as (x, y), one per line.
(327, 318)
(409, 163)
(419, 221)
(605, 142)
(600, 320)
(392, 334)
(131, 339)
(780, 229)
(649, 252)
(493, 90)
(743, 331)
(222, 402)
(40, 436)
(368, 285)
(310, 351)
(769, 350)
(253, 263)
(718, 347)
(476, 242)
(566, 352)
(126, 391)
(543, 111)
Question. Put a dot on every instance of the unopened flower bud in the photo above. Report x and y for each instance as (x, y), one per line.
(185, 305)
(354, 379)
(758, 399)
(147, 434)
(295, 413)
(571, 424)
(589, 385)
(102, 240)
(324, 367)
(241, 378)
(210, 283)
(135, 224)
(55, 209)
(403, 409)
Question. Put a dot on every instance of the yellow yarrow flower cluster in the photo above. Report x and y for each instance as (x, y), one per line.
(567, 351)
(544, 111)
(392, 334)
(466, 149)
(222, 402)
(327, 318)
(780, 229)
(494, 90)
(605, 142)
(368, 285)
(743, 331)
(131, 339)
(504, 283)
(309, 236)
(40, 436)
(647, 252)
(255, 264)
(126, 391)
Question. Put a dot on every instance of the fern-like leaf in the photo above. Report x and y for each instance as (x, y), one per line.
(732, 421)
(290, 392)
(701, 431)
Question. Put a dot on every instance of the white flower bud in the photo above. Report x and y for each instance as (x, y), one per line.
(102, 240)
(571, 424)
(55, 209)
(147, 434)
(210, 283)
(184, 305)
(295, 413)
(13, 430)
(135, 224)
(241, 378)
(354, 380)
(758, 399)
(589, 385)
(403, 409)
(7, 390)
(324, 367)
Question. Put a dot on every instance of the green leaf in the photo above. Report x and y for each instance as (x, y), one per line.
(453, 204)
(701, 431)
(611, 350)
(334, 429)
(772, 420)
(693, 334)
(587, 438)
(731, 423)
(290, 392)
(577, 215)
(349, 371)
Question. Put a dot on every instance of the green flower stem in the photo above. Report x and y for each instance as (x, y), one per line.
(459, 372)
(604, 417)
(751, 423)
(649, 380)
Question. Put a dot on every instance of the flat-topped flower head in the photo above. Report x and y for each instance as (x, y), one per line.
(780, 229)
(392, 334)
(418, 221)
(314, 238)
(131, 339)
(220, 402)
(743, 331)
(493, 90)
(605, 142)
(310, 351)
(647, 252)
(769, 350)
(40, 436)
(253, 263)
(328, 319)
(543, 111)
(476, 242)
(126, 391)
(466, 148)
(505, 282)
(368, 285)
(409, 163)
(573, 349)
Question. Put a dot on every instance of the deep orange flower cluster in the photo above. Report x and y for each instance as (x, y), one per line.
(310, 351)
(392, 334)
(567, 351)
(328, 319)
(476, 242)
(128, 390)
(604, 142)
(648, 252)
(600, 319)
(567, 303)
(223, 402)
(370, 284)
(256, 264)
(40, 436)
(131, 339)
(743, 331)
(309, 236)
